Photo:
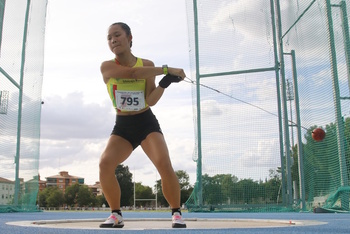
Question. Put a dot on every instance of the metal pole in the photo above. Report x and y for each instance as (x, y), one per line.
(20, 100)
(290, 98)
(285, 106)
(199, 138)
(299, 137)
(278, 99)
(345, 25)
(134, 189)
(336, 97)
(2, 11)
(255, 70)
(156, 192)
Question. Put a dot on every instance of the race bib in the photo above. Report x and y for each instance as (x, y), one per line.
(130, 100)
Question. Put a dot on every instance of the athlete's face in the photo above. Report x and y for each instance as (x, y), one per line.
(118, 40)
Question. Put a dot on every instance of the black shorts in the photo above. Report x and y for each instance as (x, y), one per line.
(135, 128)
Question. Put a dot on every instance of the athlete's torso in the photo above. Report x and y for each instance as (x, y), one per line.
(128, 95)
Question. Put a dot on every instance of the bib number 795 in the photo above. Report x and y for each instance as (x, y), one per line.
(130, 101)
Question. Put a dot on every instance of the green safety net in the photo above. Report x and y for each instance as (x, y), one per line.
(266, 73)
(22, 28)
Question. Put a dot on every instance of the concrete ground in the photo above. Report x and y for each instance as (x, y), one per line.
(160, 222)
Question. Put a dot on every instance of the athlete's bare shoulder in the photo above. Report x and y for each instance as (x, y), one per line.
(147, 63)
(107, 69)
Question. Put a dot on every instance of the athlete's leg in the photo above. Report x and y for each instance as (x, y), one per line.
(156, 149)
(117, 151)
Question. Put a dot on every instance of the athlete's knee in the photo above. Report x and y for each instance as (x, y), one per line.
(164, 167)
(161, 163)
(105, 164)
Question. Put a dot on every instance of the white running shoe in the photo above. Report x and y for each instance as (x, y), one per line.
(178, 222)
(115, 220)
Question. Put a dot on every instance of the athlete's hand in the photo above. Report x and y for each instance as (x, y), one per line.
(177, 72)
(168, 79)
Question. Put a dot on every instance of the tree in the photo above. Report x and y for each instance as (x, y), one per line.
(100, 200)
(143, 192)
(184, 179)
(85, 197)
(124, 177)
(56, 197)
(185, 187)
(248, 191)
(160, 197)
(43, 195)
(321, 160)
(227, 185)
(272, 187)
(70, 194)
(219, 189)
(212, 193)
(80, 195)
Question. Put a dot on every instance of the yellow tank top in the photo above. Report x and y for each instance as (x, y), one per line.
(128, 94)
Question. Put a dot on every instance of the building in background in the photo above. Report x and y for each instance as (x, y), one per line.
(7, 190)
(63, 180)
(42, 184)
(96, 188)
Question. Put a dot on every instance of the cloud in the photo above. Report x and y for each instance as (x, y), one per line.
(73, 135)
(210, 107)
(78, 157)
(70, 118)
(265, 154)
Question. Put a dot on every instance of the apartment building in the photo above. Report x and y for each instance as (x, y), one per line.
(63, 180)
(7, 190)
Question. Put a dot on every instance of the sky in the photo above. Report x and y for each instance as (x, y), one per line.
(78, 116)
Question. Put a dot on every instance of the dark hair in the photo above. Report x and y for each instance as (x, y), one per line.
(126, 29)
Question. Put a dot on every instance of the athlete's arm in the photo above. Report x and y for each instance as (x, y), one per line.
(111, 69)
(153, 93)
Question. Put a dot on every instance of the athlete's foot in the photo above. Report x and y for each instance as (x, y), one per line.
(115, 220)
(178, 222)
